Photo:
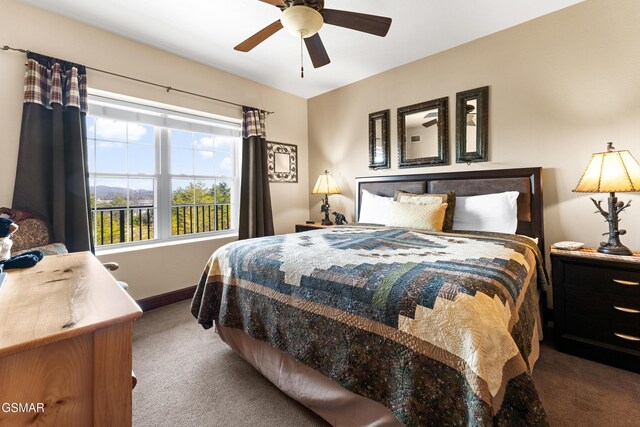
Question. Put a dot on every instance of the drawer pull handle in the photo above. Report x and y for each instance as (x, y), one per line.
(627, 310)
(626, 337)
(626, 282)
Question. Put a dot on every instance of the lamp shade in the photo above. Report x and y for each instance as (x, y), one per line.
(610, 172)
(325, 185)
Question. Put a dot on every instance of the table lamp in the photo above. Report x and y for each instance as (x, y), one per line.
(325, 185)
(610, 172)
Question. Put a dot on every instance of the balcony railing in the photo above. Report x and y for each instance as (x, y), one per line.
(189, 219)
(135, 223)
(118, 225)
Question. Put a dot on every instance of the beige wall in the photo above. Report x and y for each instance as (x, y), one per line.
(161, 269)
(561, 86)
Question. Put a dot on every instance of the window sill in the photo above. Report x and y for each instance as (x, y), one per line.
(171, 242)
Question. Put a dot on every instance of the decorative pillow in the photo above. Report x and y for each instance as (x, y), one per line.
(431, 198)
(374, 209)
(497, 212)
(428, 217)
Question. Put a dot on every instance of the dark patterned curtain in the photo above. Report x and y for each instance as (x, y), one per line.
(256, 218)
(52, 176)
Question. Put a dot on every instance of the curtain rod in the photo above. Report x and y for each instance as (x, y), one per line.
(167, 88)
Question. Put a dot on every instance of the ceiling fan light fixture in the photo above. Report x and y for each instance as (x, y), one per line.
(301, 20)
(470, 121)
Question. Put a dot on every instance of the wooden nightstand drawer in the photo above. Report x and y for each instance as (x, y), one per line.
(608, 309)
(596, 300)
(621, 335)
(602, 279)
(308, 227)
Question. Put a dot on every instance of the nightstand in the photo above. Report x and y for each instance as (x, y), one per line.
(596, 302)
(309, 227)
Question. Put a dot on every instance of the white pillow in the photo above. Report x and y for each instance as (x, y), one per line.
(374, 209)
(428, 217)
(497, 212)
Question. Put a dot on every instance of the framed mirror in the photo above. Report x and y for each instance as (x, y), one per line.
(423, 134)
(472, 125)
(282, 162)
(379, 140)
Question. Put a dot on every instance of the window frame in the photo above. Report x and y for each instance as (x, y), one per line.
(163, 191)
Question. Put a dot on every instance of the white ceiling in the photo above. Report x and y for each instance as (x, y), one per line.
(207, 31)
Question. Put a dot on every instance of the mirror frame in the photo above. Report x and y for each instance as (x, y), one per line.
(442, 105)
(291, 150)
(386, 143)
(481, 153)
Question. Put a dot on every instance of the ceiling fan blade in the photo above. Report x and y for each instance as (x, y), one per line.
(430, 123)
(372, 24)
(433, 114)
(259, 37)
(275, 2)
(317, 52)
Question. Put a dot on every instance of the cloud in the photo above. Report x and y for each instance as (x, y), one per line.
(111, 129)
(206, 154)
(117, 130)
(136, 131)
(223, 144)
(226, 166)
(205, 143)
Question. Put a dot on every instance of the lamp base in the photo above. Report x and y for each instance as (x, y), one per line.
(325, 208)
(613, 245)
(614, 249)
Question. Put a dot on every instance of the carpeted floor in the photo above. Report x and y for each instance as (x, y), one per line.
(188, 377)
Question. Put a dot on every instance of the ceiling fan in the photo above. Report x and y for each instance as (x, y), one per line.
(432, 122)
(304, 18)
(434, 117)
(470, 115)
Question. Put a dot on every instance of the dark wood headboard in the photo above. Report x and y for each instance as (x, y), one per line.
(527, 181)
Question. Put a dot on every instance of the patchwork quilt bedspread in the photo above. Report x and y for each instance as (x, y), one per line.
(441, 328)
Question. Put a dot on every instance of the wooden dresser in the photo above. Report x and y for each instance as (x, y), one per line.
(65, 345)
(596, 301)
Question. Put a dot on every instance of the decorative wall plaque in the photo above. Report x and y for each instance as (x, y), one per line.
(282, 162)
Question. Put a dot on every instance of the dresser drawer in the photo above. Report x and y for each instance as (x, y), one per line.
(619, 281)
(592, 328)
(616, 312)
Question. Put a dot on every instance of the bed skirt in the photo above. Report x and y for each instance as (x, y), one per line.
(337, 405)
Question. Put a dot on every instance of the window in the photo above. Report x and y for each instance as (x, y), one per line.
(159, 174)
(201, 182)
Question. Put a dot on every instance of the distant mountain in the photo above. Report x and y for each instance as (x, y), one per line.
(105, 192)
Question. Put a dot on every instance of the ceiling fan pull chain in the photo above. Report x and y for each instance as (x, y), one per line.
(301, 57)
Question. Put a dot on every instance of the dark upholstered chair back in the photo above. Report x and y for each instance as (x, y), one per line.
(34, 232)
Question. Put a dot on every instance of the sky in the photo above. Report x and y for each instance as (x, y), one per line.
(118, 147)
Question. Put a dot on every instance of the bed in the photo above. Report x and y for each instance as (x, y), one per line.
(370, 325)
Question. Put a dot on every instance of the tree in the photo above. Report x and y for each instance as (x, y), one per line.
(200, 207)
